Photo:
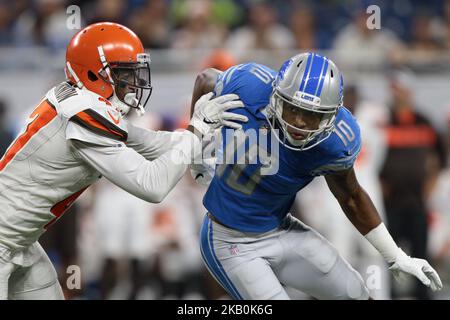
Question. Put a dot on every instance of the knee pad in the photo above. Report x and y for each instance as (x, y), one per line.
(256, 281)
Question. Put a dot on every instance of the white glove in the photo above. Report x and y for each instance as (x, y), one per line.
(405, 265)
(211, 114)
(402, 264)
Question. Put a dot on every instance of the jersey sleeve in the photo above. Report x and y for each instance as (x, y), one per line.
(342, 148)
(151, 144)
(147, 180)
(126, 168)
(252, 82)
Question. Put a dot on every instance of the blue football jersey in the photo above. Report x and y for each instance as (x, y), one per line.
(245, 196)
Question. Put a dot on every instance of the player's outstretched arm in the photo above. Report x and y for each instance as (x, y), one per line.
(152, 144)
(148, 180)
(360, 210)
(209, 114)
(149, 143)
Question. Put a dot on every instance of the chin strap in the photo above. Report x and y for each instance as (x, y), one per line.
(74, 75)
(101, 54)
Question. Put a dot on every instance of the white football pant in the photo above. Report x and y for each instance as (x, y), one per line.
(259, 266)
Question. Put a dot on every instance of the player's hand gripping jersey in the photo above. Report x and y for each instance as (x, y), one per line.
(242, 198)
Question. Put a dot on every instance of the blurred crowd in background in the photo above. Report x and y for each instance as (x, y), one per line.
(413, 30)
(129, 249)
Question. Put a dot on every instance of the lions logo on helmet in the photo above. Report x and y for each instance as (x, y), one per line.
(310, 82)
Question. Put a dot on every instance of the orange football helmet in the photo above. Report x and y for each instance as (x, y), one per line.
(106, 58)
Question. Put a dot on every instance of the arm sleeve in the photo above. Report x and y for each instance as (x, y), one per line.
(148, 180)
(152, 144)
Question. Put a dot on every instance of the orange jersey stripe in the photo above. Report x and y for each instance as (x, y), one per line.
(410, 137)
(41, 116)
(58, 209)
(89, 120)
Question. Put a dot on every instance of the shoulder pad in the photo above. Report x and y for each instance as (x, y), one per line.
(69, 100)
(104, 120)
(252, 82)
(89, 110)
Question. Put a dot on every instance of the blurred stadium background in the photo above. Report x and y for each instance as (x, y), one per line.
(397, 80)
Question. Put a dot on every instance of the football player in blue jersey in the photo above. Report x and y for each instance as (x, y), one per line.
(249, 242)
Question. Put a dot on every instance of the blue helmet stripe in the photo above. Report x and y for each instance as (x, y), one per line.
(314, 76)
(341, 88)
(306, 73)
(322, 78)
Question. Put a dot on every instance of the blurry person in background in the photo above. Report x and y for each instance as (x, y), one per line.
(122, 223)
(6, 135)
(44, 25)
(426, 47)
(151, 23)
(5, 23)
(106, 10)
(336, 227)
(174, 233)
(302, 22)
(199, 29)
(359, 47)
(262, 31)
(219, 59)
(424, 36)
(439, 242)
(414, 158)
(441, 25)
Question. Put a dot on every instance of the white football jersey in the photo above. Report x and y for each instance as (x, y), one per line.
(71, 139)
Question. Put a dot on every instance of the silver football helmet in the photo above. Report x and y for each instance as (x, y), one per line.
(310, 82)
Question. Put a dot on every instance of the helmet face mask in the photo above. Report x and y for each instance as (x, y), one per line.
(306, 97)
(131, 81)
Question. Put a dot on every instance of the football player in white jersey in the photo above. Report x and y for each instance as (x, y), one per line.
(76, 135)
